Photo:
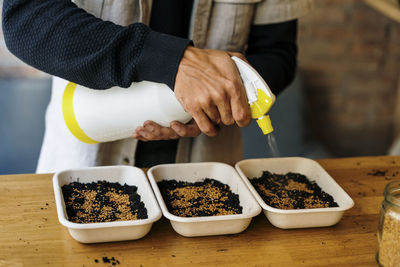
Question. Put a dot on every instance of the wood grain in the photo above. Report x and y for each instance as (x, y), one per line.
(30, 234)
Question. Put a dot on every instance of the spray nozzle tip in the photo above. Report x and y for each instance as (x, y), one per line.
(265, 124)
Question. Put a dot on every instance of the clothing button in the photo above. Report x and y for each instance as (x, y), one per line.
(125, 161)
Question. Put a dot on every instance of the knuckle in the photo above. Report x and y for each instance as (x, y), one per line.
(156, 132)
(190, 106)
(213, 113)
(235, 95)
(209, 131)
(205, 101)
(183, 132)
(193, 105)
(239, 55)
(238, 84)
(230, 84)
(234, 88)
(224, 54)
(144, 134)
(247, 121)
(228, 121)
(241, 116)
(219, 96)
(206, 129)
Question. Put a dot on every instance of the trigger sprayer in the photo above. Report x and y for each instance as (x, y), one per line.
(258, 94)
(95, 116)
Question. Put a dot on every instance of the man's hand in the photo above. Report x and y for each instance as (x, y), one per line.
(209, 88)
(152, 131)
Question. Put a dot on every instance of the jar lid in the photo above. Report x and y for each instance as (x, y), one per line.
(392, 193)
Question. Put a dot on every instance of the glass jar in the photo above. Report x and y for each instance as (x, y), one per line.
(389, 227)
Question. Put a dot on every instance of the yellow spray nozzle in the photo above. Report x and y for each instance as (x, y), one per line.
(260, 107)
(258, 93)
(265, 124)
(258, 110)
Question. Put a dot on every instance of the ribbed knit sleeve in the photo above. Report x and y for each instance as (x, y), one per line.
(61, 39)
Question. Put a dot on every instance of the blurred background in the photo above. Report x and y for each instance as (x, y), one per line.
(342, 103)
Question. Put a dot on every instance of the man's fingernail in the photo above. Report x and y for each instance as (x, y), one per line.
(143, 133)
(151, 128)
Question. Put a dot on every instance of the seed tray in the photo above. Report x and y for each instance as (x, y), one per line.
(107, 231)
(205, 225)
(297, 218)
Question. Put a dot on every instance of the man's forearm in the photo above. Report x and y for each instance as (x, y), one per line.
(63, 40)
(272, 52)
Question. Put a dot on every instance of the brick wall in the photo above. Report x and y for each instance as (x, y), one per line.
(350, 62)
(11, 66)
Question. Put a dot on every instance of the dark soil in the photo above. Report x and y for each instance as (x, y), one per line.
(207, 198)
(291, 191)
(378, 172)
(112, 261)
(102, 202)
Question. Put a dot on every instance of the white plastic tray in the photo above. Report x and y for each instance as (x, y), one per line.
(206, 225)
(107, 231)
(297, 218)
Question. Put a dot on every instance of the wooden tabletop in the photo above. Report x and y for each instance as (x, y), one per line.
(30, 234)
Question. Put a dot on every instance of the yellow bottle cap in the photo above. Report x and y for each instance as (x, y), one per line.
(265, 124)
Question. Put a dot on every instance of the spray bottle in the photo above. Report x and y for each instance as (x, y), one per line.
(260, 100)
(95, 116)
(258, 93)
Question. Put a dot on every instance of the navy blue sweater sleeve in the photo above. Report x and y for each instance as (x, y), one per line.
(61, 39)
(272, 51)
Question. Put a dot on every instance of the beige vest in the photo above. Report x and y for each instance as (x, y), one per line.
(215, 24)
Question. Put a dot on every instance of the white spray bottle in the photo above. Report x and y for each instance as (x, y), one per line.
(95, 116)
